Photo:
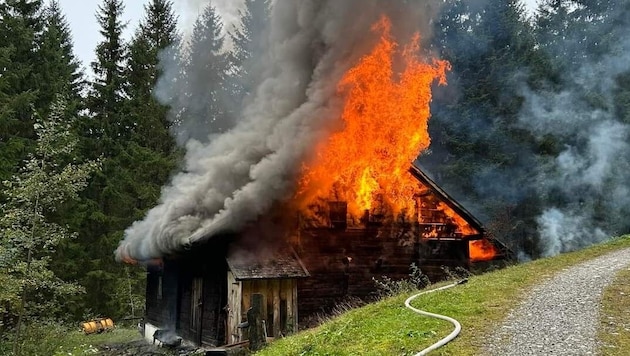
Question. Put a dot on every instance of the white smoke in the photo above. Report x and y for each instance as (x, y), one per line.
(241, 173)
(191, 9)
(591, 171)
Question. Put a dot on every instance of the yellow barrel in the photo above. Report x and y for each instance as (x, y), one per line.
(89, 327)
(97, 325)
(107, 323)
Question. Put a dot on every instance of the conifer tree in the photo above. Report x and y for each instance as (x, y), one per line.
(108, 87)
(206, 103)
(249, 42)
(20, 31)
(59, 72)
(155, 38)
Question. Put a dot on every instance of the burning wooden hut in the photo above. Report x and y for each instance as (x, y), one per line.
(203, 294)
(355, 212)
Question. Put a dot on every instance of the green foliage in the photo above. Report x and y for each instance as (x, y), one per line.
(248, 45)
(28, 238)
(105, 102)
(20, 30)
(387, 287)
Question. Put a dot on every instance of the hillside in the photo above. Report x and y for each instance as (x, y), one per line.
(387, 328)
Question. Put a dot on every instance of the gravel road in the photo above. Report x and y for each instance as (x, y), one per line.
(560, 316)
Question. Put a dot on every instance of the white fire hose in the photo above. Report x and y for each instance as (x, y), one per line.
(457, 325)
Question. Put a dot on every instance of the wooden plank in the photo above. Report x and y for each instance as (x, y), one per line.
(246, 296)
(293, 313)
(234, 309)
(275, 290)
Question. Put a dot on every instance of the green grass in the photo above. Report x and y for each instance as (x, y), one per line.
(387, 328)
(614, 327)
(56, 340)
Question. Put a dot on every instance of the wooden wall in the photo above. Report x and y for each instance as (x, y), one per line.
(203, 274)
(161, 295)
(342, 263)
(280, 305)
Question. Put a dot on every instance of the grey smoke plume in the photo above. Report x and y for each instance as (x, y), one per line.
(556, 177)
(239, 174)
(190, 9)
(592, 172)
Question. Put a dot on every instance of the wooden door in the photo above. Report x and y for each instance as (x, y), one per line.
(196, 308)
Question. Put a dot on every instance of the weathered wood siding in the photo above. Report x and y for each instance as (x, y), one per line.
(161, 295)
(342, 263)
(279, 307)
(235, 313)
(205, 268)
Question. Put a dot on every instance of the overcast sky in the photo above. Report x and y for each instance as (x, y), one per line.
(81, 15)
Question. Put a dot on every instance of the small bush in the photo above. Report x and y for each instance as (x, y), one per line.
(387, 287)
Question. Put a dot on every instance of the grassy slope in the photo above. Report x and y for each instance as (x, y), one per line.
(387, 328)
(614, 329)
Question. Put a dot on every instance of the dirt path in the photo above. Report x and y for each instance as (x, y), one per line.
(560, 316)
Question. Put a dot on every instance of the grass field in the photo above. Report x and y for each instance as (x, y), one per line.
(614, 330)
(51, 339)
(387, 328)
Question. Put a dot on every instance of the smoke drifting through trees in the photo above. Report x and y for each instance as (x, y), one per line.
(555, 165)
(240, 173)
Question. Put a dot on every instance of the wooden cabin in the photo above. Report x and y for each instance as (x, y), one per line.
(202, 295)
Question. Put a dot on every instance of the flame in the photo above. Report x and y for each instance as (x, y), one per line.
(482, 250)
(462, 226)
(385, 118)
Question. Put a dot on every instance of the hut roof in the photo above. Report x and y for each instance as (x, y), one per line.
(269, 263)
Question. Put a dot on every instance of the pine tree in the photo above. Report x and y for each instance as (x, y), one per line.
(206, 103)
(21, 27)
(248, 43)
(28, 237)
(59, 73)
(156, 37)
(108, 88)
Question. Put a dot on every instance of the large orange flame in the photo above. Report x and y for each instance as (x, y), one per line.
(482, 250)
(462, 226)
(385, 120)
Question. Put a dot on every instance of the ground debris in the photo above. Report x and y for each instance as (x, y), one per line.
(138, 347)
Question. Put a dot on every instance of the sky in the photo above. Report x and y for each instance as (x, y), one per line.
(81, 16)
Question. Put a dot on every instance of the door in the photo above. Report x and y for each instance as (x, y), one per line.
(196, 308)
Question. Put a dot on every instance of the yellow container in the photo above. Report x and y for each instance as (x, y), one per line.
(97, 325)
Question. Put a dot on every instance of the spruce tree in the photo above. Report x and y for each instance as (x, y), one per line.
(248, 42)
(105, 205)
(107, 95)
(206, 104)
(21, 27)
(59, 73)
(155, 38)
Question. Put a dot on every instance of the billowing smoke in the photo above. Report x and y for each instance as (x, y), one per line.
(190, 9)
(240, 173)
(591, 173)
(554, 175)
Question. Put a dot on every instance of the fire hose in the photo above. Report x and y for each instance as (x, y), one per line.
(457, 325)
